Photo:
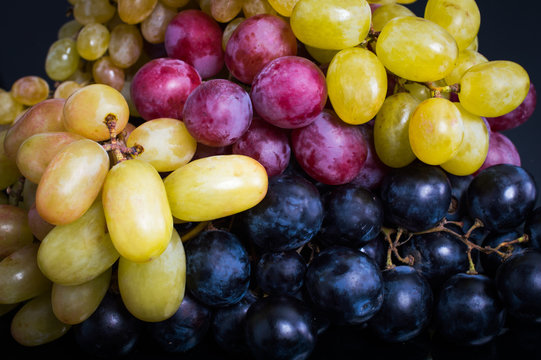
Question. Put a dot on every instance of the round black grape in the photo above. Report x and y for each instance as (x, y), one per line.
(344, 284)
(377, 250)
(532, 227)
(280, 273)
(280, 327)
(217, 268)
(415, 197)
(468, 310)
(491, 261)
(502, 196)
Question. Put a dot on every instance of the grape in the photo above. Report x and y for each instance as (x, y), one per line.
(225, 10)
(175, 3)
(491, 262)
(154, 26)
(376, 249)
(39, 227)
(135, 11)
(507, 83)
(331, 24)
(229, 29)
(9, 172)
(280, 273)
(358, 102)
(74, 304)
(71, 182)
(345, 284)
(518, 116)
(466, 59)
(436, 131)
(65, 89)
(20, 276)
(501, 150)
(30, 90)
(14, 230)
(323, 56)
(125, 45)
(217, 186)
(217, 268)
(62, 59)
(9, 108)
(502, 196)
(255, 42)
(386, 12)
(415, 197)
(532, 228)
(459, 186)
(161, 86)
(218, 112)
(93, 41)
(140, 226)
(78, 252)
(104, 71)
(283, 7)
(416, 49)
(69, 29)
(329, 150)
(257, 7)
(391, 130)
(93, 11)
(152, 291)
(289, 92)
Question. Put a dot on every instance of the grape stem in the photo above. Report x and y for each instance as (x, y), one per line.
(437, 91)
(393, 247)
(117, 145)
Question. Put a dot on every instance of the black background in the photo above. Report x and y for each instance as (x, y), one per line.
(508, 32)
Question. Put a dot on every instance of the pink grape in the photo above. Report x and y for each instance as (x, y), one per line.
(267, 144)
(501, 150)
(518, 116)
(196, 38)
(160, 88)
(289, 92)
(255, 42)
(329, 150)
(218, 112)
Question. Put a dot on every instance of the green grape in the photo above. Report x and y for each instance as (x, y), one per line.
(93, 41)
(65, 89)
(71, 182)
(322, 56)
(125, 45)
(36, 152)
(136, 209)
(474, 45)
(216, 186)
(135, 11)
(9, 172)
(69, 29)
(283, 7)
(356, 102)
(461, 18)
(152, 291)
(14, 230)
(167, 143)
(30, 90)
(93, 11)
(417, 90)
(391, 130)
(416, 49)
(229, 28)
(20, 276)
(62, 59)
(474, 148)
(154, 26)
(331, 24)
(35, 323)
(384, 13)
(435, 130)
(74, 304)
(175, 3)
(493, 88)
(9, 108)
(466, 59)
(87, 109)
(78, 252)
(225, 10)
(256, 7)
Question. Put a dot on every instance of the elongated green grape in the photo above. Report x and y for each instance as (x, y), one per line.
(30, 90)
(136, 209)
(69, 29)
(323, 56)
(9, 108)
(216, 186)
(417, 90)
(416, 49)
(9, 172)
(153, 291)
(331, 24)
(506, 81)
(78, 252)
(225, 10)
(93, 41)
(20, 276)
(65, 89)
(436, 131)
(71, 182)
(384, 13)
(461, 18)
(466, 59)
(154, 26)
(135, 11)
(14, 230)
(474, 148)
(62, 59)
(255, 7)
(35, 323)
(125, 45)
(229, 28)
(356, 102)
(391, 130)
(175, 3)
(74, 304)
(93, 11)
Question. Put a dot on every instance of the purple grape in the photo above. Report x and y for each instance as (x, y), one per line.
(518, 116)
(218, 112)
(289, 92)
(501, 150)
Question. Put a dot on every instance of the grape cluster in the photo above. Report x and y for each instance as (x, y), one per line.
(268, 176)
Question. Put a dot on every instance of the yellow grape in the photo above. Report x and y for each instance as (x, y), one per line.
(417, 90)
(62, 59)
(229, 28)
(154, 26)
(474, 45)
(71, 182)
(493, 88)
(416, 49)
(9, 108)
(30, 90)
(283, 7)
(474, 148)
(391, 130)
(225, 10)
(36, 152)
(256, 7)
(65, 89)
(136, 209)
(20, 276)
(78, 252)
(69, 29)
(331, 24)
(93, 11)
(93, 41)
(205, 6)
(9, 172)
(152, 291)
(435, 130)
(104, 71)
(35, 323)
(167, 143)
(466, 59)
(135, 11)
(86, 110)
(356, 102)
(125, 45)
(216, 186)
(74, 304)
(384, 13)
(322, 56)
(14, 230)
(461, 18)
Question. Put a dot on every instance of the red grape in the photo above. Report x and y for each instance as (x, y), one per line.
(501, 150)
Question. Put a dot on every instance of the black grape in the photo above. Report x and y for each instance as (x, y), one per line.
(532, 227)
(492, 261)
(280, 273)
(459, 186)
(377, 250)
